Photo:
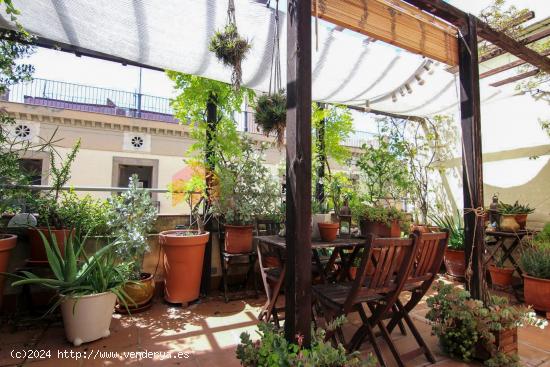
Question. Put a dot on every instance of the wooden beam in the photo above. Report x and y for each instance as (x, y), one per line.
(396, 23)
(459, 18)
(515, 78)
(524, 41)
(508, 66)
(472, 165)
(298, 173)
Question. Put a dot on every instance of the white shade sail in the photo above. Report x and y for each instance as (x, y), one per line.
(175, 34)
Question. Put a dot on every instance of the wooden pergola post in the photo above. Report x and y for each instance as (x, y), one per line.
(472, 165)
(298, 173)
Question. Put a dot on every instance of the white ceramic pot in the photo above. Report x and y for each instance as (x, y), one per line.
(315, 220)
(89, 319)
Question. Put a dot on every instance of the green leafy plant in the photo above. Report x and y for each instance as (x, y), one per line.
(273, 350)
(462, 323)
(131, 217)
(247, 189)
(270, 115)
(454, 224)
(231, 49)
(535, 259)
(516, 208)
(50, 210)
(362, 210)
(76, 274)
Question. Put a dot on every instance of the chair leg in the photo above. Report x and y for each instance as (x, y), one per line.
(224, 278)
(375, 345)
(275, 296)
(423, 346)
(393, 350)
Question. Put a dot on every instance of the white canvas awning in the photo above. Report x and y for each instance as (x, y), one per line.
(175, 34)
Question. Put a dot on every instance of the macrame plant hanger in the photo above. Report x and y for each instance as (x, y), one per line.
(275, 73)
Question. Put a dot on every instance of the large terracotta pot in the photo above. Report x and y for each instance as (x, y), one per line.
(238, 239)
(140, 291)
(455, 263)
(537, 293)
(183, 258)
(501, 276)
(87, 318)
(7, 242)
(328, 231)
(508, 223)
(38, 250)
(521, 219)
(379, 229)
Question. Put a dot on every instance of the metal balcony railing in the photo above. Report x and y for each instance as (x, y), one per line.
(56, 94)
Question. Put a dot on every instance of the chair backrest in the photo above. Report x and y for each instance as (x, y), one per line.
(429, 255)
(391, 259)
(267, 255)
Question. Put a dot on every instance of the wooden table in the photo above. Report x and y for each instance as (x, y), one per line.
(339, 246)
(506, 242)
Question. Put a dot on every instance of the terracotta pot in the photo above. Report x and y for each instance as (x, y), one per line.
(7, 242)
(183, 258)
(140, 291)
(422, 228)
(380, 229)
(238, 239)
(508, 223)
(352, 272)
(506, 341)
(328, 231)
(455, 263)
(521, 219)
(501, 276)
(87, 318)
(537, 293)
(38, 250)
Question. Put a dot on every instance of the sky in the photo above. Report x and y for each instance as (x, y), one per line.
(67, 67)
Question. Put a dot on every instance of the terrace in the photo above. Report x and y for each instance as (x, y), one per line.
(392, 253)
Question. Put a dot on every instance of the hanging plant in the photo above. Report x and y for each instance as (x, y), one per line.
(271, 115)
(231, 49)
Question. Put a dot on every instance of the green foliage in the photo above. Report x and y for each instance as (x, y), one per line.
(535, 259)
(270, 115)
(339, 188)
(515, 208)
(51, 212)
(462, 323)
(362, 210)
(384, 170)
(455, 225)
(273, 350)
(85, 214)
(76, 274)
(246, 187)
(131, 216)
(231, 49)
(338, 126)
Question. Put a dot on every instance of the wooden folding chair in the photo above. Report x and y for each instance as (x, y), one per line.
(392, 260)
(426, 264)
(271, 270)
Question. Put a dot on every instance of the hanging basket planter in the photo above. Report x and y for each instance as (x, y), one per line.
(231, 49)
(270, 112)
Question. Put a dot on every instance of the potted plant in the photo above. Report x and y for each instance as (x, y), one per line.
(246, 190)
(184, 248)
(535, 263)
(513, 217)
(454, 257)
(88, 286)
(378, 220)
(467, 329)
(273, 349)
(270, 115)
(501, 275)
(131, 216)
(55, 214)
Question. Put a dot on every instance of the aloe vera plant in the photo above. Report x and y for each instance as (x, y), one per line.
(455, 226)
(515, 208)
(76, 274)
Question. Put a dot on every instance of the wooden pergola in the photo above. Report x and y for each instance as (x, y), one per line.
(431, 28)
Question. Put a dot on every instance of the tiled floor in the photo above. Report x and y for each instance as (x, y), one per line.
(204, 334)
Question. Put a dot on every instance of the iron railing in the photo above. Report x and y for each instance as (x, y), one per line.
(56, 94)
